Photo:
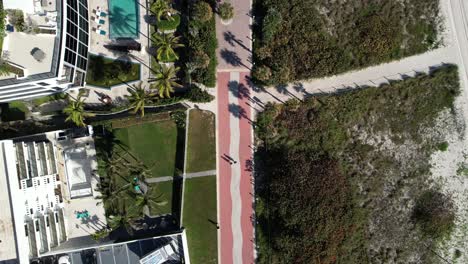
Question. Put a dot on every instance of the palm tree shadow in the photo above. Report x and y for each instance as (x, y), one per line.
(232, 40)
(122, 22)
(232, 58)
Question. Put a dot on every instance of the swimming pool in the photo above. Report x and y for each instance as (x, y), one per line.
(124, 19)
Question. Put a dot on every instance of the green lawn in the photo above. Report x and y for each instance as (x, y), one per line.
(201, 148)
(13, 111)
(105, 72)
(152, 143)
(199, 209)
(161, 191)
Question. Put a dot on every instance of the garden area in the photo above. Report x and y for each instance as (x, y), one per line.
(348, 178)
(338, 36)
(105, 72)
(200, 219)
(133, 157)
(188, 24)
(201, 145)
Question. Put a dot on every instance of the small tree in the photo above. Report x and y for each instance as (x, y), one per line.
(165, 80)
(226, 11)
(138, 98)
(202, 11)
(261, 73)
(75, 111)
(434, 213)
(200, 59)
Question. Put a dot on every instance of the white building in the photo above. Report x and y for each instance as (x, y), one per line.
(44, 187)
(51, 54)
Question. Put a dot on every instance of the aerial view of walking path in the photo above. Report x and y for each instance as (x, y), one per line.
(235, 138)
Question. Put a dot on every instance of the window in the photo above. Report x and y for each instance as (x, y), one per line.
(48, 180)
(42, 207)
(30, 210)
(84, 3)
(43, 83)
(47, 221)
(70, 57)
(38, 182)
(82, 63)
(72, 3)
(83, 12)
(36, 223)
(56, 217)
(72, 29)
(51, 204)
(71, 43)
(26, 230)
(84, 37)
(83, 23)
(83, 50)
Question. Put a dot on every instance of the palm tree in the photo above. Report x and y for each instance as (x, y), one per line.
(75, 111)
(165, 81)
(145, 202)
(138, 98)
(166, 43)
(121, 220)
(161, 8)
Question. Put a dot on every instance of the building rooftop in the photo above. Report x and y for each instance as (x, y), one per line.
(156, 250)
(40, 212)
(7, 232)
(19, 48)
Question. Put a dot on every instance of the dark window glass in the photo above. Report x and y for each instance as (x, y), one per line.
(26, 230)
(83, 50)
(72, 29)
(84, 2)
(72, 3)
(36, 223)
(70, 57)
(47, 221)
(84, 26)
(82, 62)
(71, 43)
(84, 11)
(84, 37)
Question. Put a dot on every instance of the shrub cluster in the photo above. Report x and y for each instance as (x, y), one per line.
(323, 189)
(202, 43)
(299, 39)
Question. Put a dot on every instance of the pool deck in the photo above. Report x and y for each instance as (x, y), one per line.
(98, 41)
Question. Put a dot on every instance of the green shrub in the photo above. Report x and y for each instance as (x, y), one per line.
(202, 11)
(226, 11)
(271, 24)
(168, 25)
(434, 213)
(261, 73)
(325, 38)
(200, 59)
(204, 39)
(443, 146)
(197, 95)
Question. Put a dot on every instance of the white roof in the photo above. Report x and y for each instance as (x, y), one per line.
(8, 248)
(27, 6)
(18, 47)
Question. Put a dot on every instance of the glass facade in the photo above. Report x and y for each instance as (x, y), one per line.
(76, 40)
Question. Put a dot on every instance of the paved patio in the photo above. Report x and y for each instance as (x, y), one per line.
(98, 41)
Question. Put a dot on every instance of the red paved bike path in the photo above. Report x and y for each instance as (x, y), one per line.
(227, 237)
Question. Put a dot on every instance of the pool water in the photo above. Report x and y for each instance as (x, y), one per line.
(123, 19)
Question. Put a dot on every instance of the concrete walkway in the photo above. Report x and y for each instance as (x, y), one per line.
(187, 176)
(372, 76)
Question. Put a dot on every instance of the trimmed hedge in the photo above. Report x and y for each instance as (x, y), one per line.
(167, 25)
